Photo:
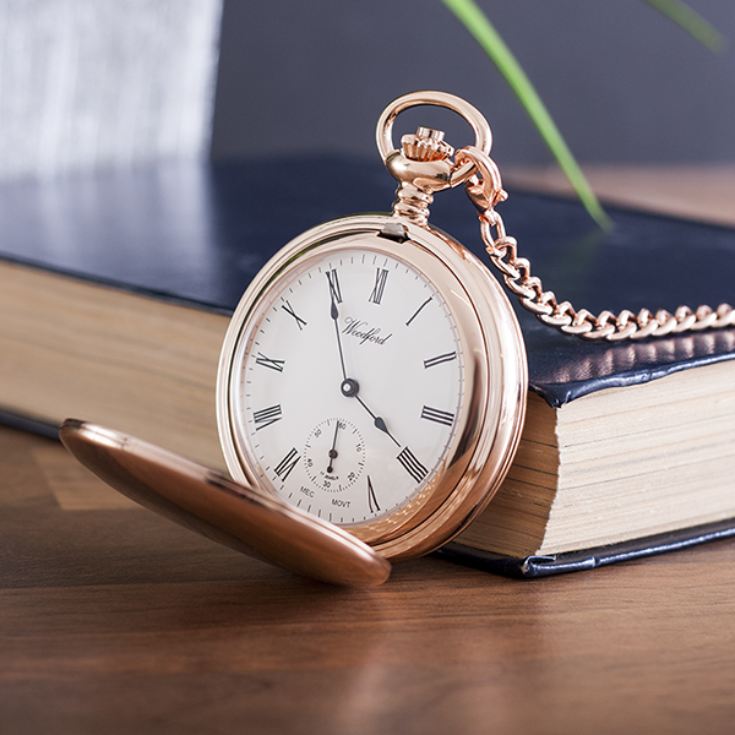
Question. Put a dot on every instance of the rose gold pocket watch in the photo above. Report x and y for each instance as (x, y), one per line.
(372, 384)
(374, 373)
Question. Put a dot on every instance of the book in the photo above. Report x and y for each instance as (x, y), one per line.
(116, 287)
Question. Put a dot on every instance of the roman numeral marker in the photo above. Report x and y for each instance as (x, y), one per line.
(440, 417)
(289, 310)
(267, 416)
(284, 467)
(269, 362)
(334, 288)
(418, 311)
(412, 465)
(372, 500)
(439, 359)
(381, 276)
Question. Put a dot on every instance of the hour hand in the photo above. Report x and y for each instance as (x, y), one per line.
(380, 424)
(351, 389)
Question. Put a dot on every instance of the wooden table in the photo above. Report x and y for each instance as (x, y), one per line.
(114, 621)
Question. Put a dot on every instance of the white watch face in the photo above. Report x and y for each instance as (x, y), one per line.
(347, 385)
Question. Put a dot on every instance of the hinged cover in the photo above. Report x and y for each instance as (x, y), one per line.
(239, 516)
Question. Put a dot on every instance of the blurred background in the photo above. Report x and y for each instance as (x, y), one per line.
(89, 83)
(621, 81)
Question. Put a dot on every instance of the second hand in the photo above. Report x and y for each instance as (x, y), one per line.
(333, 451)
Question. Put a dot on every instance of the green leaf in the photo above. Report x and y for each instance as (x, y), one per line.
(692, 22)
(477, 23)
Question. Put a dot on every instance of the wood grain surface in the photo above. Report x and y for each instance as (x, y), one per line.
(115, 621)
(686, 190)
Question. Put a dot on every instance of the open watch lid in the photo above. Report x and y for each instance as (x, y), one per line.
(239, 516)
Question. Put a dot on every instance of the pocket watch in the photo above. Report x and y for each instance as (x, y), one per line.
(372, 383)
(374, 372)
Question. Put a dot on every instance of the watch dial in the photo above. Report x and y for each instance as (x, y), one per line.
(348, 384)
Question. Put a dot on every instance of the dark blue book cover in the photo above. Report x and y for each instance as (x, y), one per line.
(197, 233)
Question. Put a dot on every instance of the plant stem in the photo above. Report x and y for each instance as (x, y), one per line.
(692, 22)
(477, 23)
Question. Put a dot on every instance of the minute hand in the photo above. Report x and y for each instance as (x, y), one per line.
(350, 387)
(334, 313)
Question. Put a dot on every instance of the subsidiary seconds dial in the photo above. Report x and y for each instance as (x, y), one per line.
(350, 385)
(334, 455)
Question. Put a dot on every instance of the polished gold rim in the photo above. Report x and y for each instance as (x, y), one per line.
(495, 378)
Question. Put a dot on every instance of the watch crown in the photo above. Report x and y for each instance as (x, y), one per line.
(426, 144)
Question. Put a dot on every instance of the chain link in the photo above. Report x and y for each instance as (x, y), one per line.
(485, 190)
